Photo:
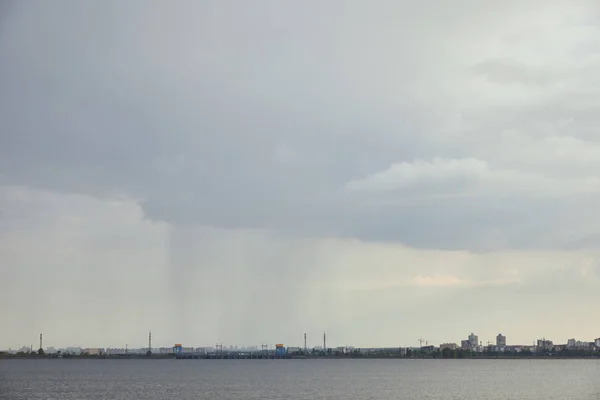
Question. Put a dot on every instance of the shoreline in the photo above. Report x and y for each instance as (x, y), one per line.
(142, 357)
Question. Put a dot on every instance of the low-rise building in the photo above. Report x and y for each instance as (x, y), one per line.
(573, 344)
(451, 346)
(72, 350)
(544, 344)
(560, 347)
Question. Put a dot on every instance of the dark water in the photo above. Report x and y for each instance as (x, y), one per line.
(300, 379)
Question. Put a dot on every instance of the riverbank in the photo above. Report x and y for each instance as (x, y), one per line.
(237, 357)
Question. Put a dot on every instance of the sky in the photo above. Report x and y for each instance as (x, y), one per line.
(247, 172)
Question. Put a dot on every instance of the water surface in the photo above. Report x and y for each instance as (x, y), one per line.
(300, 379)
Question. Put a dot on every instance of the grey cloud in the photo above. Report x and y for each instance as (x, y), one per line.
(192, 108)
(507, 72)
(102, 275)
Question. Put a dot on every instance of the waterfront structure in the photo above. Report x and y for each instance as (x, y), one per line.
(500, 340)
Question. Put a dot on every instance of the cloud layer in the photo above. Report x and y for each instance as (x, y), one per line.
(253, 135)
(259, 117)
(95, 272)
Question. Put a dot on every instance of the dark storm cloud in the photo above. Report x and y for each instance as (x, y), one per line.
(258, 115)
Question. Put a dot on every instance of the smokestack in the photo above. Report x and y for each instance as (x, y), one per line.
(305, 349)
(41, 341)
(324, 341)
(149, 352)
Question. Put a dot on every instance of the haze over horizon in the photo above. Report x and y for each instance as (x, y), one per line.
(245, 172)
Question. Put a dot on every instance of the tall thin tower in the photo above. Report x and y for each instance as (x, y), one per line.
(149, 353)
(305, 349)
(324, 342)
(41, 341)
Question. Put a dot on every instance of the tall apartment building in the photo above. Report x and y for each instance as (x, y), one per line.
(473, 340)
(500, 340)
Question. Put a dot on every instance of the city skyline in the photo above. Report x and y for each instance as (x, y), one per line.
(246, 172)
(474, 339)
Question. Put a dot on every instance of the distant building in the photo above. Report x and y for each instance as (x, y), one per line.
(500, 340)
(597, 343)
(573, 344)
(560, 347)
(473, 340)
(427, 349)
(516, 348)
(280, 349)
(544, 344)
(117, 351)
(465, 344)
(72, 350)
(451, 346)
(366, 350)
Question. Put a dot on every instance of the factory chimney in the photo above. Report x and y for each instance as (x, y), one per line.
(305, 349)
(149, 352)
